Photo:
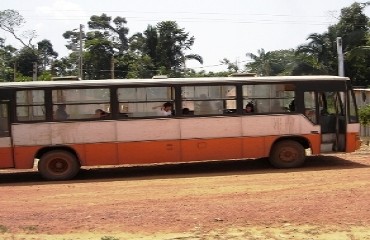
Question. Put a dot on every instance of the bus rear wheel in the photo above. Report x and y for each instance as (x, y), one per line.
(287, 154)
(58, 165)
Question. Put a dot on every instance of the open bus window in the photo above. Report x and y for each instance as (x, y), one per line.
(69, 104)
(146, 102)
(209, 100)
(269, 98)
(30, 105)
(310, 106)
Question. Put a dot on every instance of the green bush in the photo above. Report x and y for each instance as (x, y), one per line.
(364, 115)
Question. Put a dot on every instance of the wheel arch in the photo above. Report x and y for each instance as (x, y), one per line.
(300, 139)
(44, 150)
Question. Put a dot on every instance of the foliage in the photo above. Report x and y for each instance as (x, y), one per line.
(364, 115)
(11, 21)
(271, 63)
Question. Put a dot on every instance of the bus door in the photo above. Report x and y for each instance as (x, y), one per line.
(332, 119)
(6, 150)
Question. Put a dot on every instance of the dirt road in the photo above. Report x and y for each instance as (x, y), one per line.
(327, 199)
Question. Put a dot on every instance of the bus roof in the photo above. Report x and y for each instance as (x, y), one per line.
(168, 81)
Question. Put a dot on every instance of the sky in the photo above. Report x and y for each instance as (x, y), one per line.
(222, 29)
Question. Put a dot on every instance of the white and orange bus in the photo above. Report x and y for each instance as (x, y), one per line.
(55, 123)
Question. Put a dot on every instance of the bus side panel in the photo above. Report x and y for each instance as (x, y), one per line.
(254, 147)
(6, 158)
(353, 141)
(6, 153)
(101, 154)
(24, 156)
(211, 149)
(149, 152)
(315, 141)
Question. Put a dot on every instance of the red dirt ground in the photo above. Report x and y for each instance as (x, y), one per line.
(327, 199)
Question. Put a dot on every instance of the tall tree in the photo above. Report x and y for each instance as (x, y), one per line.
(46, 53)
(172, 44)
(11, 21)
(7, 54)
(117, 31)
(98, 56)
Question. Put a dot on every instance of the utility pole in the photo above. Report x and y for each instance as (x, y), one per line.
(80, 57)
(112, 67)
(34, 75)
(340, 57)
(15, 72)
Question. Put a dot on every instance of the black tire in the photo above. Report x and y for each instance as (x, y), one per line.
(287, 154)
(58, 165)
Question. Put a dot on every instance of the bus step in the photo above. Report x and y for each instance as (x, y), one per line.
(328, 137)
(326, 147)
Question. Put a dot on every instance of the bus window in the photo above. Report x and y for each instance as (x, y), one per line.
(331, 103)
(352, 108)
(145, 102)
(271, 98)
(4, 121)
(30, 105)
(310, 106)
(209, 100)
(71, 104)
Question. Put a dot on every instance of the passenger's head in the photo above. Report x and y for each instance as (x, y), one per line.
(249, 108)
(167, 106)
(185, 111)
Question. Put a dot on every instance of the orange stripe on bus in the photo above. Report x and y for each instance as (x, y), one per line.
(24, 156)
(149, 152)
(142, 152)
(6, 157)
(353, 142)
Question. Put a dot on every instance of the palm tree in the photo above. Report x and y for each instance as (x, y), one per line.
(261, 64)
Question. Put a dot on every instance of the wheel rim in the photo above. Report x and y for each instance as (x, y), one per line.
(58, 165)
(288, 154)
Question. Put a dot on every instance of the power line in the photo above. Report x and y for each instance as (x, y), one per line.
(185, 12)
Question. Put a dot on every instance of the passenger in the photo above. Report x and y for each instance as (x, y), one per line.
(292, 106)
(99, 113)
(185, 111)
(165, 109)
(249, 108)
(60, 113)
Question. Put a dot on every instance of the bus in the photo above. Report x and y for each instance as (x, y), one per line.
(59, 125)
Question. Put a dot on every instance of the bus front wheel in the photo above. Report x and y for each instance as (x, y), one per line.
(58, 165)
(287, 154)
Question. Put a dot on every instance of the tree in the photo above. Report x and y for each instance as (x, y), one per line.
(25, 59)
(117, 34)
(98, 55)
(320, 53)
(46, 53)
(7, 53)
(172, 44)
(231, 67)
(164, 48)
(11, 21)
(353, 27)
(271, 63)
